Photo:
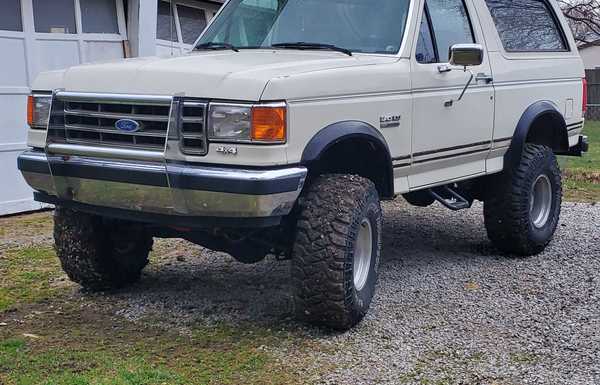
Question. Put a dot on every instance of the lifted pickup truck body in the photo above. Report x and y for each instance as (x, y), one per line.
(239, 136)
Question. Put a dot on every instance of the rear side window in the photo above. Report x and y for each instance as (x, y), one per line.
(527, 25)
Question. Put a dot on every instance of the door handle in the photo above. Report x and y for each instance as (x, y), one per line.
(484, 77)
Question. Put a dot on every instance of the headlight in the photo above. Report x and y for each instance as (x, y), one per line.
(229, 122)
(38, 110)
(259, 123)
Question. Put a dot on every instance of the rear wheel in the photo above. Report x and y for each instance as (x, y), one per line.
(336, 251)
(100, 254)
(522, 212)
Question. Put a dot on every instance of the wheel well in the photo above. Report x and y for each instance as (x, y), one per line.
(357, 155)
(541, 123)
(549, 130)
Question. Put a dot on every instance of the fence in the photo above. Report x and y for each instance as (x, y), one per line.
(593, 78)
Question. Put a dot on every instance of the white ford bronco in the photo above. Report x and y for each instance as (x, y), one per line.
(289, 122)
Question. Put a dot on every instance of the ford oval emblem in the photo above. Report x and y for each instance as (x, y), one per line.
(127, 125)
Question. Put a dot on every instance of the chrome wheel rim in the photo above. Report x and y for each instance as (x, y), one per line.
(540, 203)
(362, 254)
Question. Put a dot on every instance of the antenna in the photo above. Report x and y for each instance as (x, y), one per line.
(171, 21)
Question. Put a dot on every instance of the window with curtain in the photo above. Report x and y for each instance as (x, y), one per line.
(192, 22)
(165, 23)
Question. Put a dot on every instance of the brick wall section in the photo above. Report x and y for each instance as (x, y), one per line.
(593, 78)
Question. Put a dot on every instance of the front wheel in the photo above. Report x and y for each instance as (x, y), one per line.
(336, 251)
(522, 212)
(100, 254)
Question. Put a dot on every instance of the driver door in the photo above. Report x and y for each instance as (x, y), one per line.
(451, 139)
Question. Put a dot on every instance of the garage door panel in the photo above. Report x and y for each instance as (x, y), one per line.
(14, 65)
(13, 110)
(18, 189)
(54, 55)
(45, 35)
(96, 51)
(18, 196)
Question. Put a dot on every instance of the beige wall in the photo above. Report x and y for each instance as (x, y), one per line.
(591, 57)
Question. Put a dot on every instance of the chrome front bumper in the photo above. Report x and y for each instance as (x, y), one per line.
(162, 188)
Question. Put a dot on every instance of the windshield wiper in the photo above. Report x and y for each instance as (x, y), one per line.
(216, 46)
(304, 45)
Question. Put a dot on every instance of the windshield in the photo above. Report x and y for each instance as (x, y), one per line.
(369, 26)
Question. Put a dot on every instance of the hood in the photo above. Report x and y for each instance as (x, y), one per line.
(232, 75)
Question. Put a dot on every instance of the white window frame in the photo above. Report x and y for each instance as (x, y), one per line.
(30, 36)
(178, 47)
(81, 37)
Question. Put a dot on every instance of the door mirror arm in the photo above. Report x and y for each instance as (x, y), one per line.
(463, 55)
(450, 103)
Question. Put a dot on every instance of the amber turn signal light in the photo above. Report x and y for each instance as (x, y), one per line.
(269, 124)
(30, 105)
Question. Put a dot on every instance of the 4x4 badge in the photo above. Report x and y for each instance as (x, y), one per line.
(388, 121)
(227, 150)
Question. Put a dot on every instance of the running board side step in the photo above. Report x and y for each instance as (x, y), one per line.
(450, 198)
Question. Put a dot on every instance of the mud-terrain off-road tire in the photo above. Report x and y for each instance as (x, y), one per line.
(522, 211)
(100, 254)
(340, 219)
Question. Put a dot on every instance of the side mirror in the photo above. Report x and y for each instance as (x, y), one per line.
(466, 55)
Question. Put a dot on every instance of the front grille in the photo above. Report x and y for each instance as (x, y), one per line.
(193, 132)
(93, 122)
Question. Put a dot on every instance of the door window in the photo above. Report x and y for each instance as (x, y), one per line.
(526, 25)
(10, 17)
(192, 22)
(426, 51)
(444, 23)
(56, 16)
(451, 25)
(99, 16)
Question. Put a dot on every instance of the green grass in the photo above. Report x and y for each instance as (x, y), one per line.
(59, 366)
(65, 338)
(524, 358)
(591, 160)
(78, 349)
(27, 275)
(582, 175)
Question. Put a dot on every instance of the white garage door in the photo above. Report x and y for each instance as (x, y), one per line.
(39, 35)
(179, 23)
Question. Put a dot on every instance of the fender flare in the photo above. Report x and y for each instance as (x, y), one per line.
(531, 114)
(340, 131)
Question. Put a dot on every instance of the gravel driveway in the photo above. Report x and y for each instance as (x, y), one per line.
(450, 309)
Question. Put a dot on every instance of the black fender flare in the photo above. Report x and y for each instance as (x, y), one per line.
(349, 129)
(531, 114)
